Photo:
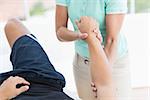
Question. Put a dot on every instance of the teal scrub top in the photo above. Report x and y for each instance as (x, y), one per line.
(97, 9)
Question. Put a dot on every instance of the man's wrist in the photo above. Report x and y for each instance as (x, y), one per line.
(91, 37)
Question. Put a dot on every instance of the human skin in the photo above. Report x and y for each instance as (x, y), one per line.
(8, 88)
(100, 69)
(113, 26)
(13, 30)
(63, 33)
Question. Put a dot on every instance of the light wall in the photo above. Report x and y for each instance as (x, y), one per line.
(18, 8)
(136, 29)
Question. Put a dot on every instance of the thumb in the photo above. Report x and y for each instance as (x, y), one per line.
(23, 89)
(83, 36)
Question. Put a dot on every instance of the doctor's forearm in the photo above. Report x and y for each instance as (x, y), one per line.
(64, 35)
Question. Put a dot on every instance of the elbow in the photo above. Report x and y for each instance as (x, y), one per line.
(114, 40)
(58, 37)
(58, 34)
(111, 39)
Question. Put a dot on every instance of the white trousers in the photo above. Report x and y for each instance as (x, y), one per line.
(121, 77)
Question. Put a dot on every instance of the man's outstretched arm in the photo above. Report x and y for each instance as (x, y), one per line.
(100, 68)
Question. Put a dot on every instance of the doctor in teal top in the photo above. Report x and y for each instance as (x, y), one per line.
(110, 15)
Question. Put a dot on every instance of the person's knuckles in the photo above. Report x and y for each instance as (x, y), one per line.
(22, 81)
(19, 79)
(16, 77)
(10, 77)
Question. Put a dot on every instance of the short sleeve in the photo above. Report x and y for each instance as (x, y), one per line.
(61, 2)
(116, 6)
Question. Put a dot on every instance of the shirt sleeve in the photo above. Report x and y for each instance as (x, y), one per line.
(61, 2)
(116, 6)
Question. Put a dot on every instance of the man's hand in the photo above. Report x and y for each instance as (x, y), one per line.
(88, 25)
(8, 88)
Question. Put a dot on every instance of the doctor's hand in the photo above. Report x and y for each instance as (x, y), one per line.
(88, 25)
